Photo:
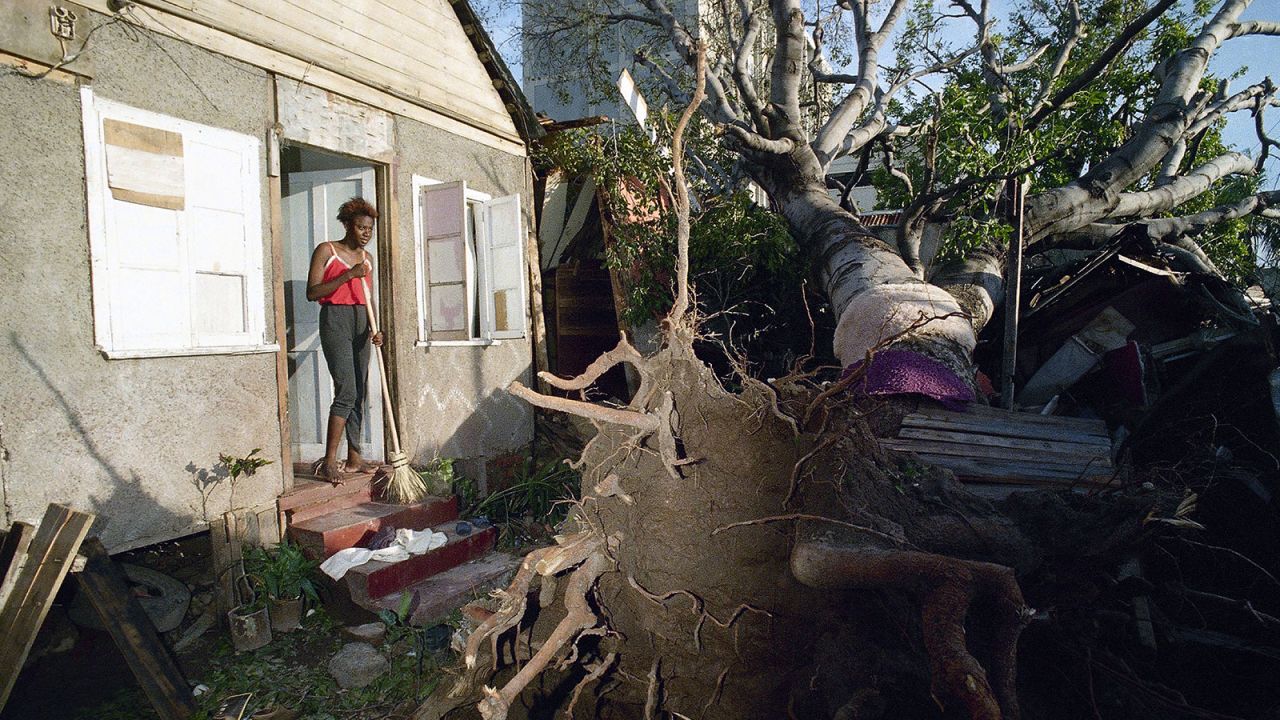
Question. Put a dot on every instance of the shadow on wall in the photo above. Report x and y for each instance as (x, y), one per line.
(127, 503)
(493, 426)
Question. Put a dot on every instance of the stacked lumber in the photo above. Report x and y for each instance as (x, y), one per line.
(34, 563)
(990, 445)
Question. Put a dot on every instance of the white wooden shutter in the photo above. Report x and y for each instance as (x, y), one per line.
(449, 286)
(504, 287)
(224, 240)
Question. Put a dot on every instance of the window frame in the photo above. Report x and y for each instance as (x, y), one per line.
(477, 269)
(94, 111)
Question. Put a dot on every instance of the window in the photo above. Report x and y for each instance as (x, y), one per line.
(470, 264)
(175, 234)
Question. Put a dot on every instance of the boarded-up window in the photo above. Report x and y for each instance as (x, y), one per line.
(471, 264)
(175, 233)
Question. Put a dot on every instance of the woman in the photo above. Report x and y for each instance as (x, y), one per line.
(339, 269)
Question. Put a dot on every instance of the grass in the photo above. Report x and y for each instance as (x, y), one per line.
(292, 672)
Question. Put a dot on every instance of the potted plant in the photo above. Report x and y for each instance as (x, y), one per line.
(285, 575)
(250, 624)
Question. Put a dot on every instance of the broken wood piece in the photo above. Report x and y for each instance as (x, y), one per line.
(13, 553)
(1077, 356)
(49, 556)
(107, 588)
(1002, 446)
(226, 539)
(202, 625)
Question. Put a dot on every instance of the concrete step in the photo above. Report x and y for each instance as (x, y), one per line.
(311, 497)
(441, 594)
(376, 579)
(324, 535)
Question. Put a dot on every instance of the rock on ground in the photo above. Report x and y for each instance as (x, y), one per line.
(373, 633)
(357, 664)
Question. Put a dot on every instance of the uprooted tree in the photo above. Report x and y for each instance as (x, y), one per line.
(753, 553)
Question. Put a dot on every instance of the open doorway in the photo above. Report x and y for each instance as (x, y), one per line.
(313, 184)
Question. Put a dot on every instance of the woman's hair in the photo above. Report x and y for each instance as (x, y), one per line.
(354, 208)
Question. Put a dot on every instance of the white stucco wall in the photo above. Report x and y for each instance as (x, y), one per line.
(121, 438)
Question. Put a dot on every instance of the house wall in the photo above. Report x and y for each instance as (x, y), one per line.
(130, 440)
(453, 400)
(125, 439)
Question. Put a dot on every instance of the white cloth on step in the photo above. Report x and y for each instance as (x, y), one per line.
(407, 544)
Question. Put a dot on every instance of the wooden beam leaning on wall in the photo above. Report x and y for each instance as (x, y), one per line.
(13, 553)
(50, 555)
(105, 584)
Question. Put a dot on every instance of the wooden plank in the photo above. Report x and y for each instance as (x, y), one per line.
(1088, 426)
(397, 34)
(332, 73)
(1025, 444)
(52, 551)
(278, 240)
(1007, 470)
(307, 35)
(13, 555)
(966, 449)
(1004, 429)
(107, 589)
(226, 539)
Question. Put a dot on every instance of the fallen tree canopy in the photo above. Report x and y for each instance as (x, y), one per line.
(754, 552)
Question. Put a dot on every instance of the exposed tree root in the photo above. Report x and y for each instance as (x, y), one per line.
(596, 672)
(497, 702)
(945, 587)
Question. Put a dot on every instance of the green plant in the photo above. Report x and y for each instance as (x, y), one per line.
(538, 497)
(284, 571)
(241, 466)
(438, 476)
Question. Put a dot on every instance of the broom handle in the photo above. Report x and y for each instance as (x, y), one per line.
(382, 368)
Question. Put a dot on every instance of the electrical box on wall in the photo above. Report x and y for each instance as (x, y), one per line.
(47, 33)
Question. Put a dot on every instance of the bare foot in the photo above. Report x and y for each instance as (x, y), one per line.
(329, 471)
(359, 466)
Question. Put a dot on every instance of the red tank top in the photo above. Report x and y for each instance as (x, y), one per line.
(349, 293)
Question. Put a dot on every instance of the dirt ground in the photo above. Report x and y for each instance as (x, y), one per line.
(77, 672)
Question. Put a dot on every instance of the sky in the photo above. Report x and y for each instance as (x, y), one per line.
(1258, 54)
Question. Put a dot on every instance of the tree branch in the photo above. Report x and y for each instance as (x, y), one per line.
(1182, 189)
(1254, 27)
(682, 190)
(784, 74)
(758, 143)
(741, 74)
(684, 43)
(845, 115)
(1064, 54)
(1098, 67)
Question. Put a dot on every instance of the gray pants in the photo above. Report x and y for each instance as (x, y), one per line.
(344, 337)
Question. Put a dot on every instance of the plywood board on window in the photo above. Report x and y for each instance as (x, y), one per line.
(145, 165)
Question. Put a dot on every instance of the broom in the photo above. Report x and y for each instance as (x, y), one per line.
(404, 486)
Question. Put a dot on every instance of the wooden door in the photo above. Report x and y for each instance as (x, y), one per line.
(310, 208)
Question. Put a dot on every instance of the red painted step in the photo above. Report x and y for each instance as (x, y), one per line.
(311, 498)
(376, 579)
(441, 594)
(326, 534)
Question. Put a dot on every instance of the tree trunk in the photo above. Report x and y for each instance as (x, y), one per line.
(877, 299)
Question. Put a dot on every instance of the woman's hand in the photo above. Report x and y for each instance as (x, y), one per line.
(359, 270)
(376, 339)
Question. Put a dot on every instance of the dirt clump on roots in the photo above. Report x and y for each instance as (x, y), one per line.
(751, 554)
